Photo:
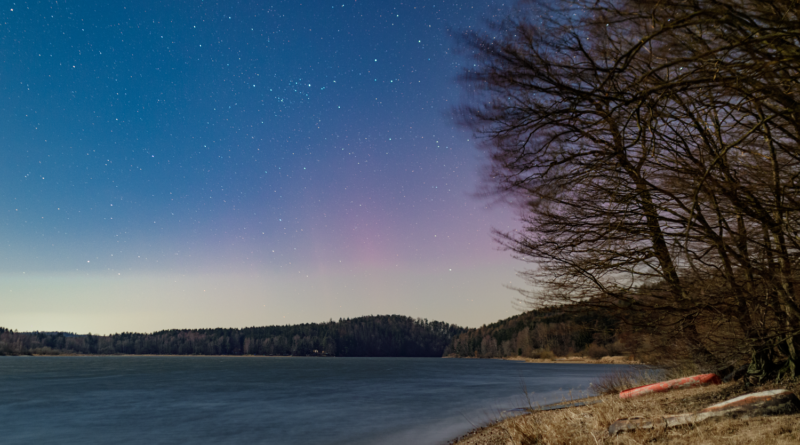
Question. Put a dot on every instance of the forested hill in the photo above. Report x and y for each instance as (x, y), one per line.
(542, 334)
(370, 336)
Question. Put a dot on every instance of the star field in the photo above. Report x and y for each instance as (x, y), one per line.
(187, 164)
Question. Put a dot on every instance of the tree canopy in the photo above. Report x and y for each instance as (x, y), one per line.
(653, 148)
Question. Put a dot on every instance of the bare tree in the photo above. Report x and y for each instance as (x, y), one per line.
(655, 148)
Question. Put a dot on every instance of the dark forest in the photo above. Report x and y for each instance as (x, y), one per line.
(544, 334)
(370, 336)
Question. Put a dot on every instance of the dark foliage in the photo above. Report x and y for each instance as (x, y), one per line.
(371, 336)
(542, 334)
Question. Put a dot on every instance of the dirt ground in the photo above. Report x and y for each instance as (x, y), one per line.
(589, 424)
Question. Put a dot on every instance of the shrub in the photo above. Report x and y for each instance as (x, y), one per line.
(595, 351)
(543, 353)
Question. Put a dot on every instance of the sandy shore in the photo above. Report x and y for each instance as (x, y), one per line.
(609, 360)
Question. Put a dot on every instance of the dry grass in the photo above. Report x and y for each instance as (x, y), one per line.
(617, 382)
(589, 424)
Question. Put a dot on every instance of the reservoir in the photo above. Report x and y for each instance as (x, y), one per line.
(269, 400)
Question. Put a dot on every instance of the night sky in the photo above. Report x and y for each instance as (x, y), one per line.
(239, 163)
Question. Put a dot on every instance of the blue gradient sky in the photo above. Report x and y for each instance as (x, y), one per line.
(239, 163)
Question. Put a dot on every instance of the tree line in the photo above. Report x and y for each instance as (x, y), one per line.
(370, 336)
(653, 147)
(544, 334)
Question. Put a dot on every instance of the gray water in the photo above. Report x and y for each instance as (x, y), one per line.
(267, 400)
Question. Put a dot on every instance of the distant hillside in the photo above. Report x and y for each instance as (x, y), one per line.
(370, 336)
(541, 334)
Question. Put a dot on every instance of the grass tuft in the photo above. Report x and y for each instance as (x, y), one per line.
(617, 382)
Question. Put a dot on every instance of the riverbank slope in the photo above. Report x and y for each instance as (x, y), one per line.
(589, 424)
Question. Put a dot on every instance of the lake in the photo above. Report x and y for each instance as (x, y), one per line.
(268, 400)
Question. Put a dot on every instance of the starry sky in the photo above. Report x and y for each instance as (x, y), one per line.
(188, 164)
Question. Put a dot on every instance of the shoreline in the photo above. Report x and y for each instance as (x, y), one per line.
(577, 360)
(495, 428)
(607, 360)
(588, 424)
(164, 355)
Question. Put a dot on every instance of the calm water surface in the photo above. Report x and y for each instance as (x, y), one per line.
(266, 400)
